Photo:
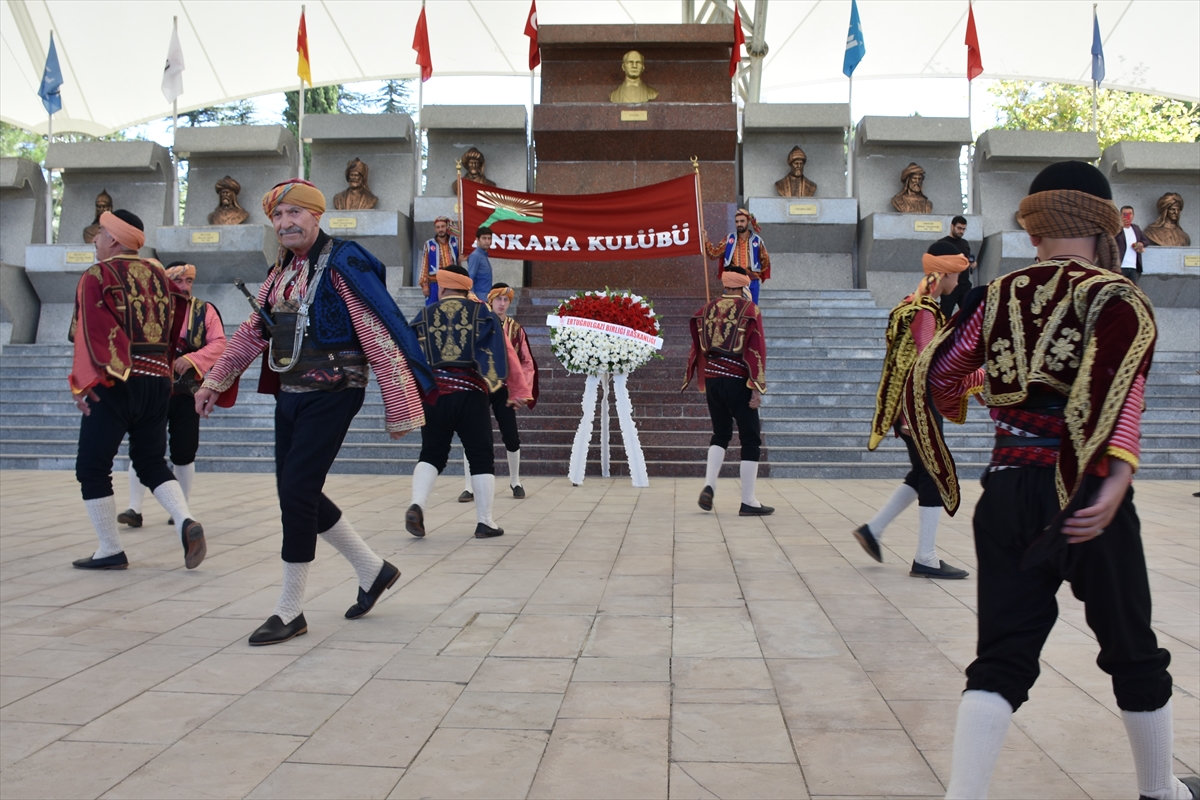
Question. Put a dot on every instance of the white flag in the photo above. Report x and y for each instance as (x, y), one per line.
(172, 82)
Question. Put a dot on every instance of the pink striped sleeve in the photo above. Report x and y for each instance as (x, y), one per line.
(518, 383)
(1125, 442)
(924, 326)
(958, 367)
(214, 342)
(402, 406)
(246, 345)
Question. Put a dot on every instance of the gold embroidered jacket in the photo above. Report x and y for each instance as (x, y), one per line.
(729, 327)
(898, 363)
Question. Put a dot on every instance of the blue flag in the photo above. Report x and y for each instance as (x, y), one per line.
(856, 48)
(51, 81)
(1097, 51)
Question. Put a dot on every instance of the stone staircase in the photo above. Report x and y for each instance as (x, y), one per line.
(825, 348)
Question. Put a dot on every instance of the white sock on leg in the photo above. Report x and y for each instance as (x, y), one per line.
(466, 473)
(716, 457)
(424, 476)
(103, 513)
(484, 487)
(137, 492)
(170, 496)
(291, 599)
(983, 720)
(749, 473)
(346, 541)
(186, 475)
(927, 537)
(901, 499)
(1152, 738)
(514, 467)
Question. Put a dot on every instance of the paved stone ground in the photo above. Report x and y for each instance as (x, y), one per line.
(614, 643)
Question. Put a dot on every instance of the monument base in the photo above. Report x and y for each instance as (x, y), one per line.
(894, 243)
(20, 304)
(1171, 276)
(221, 253)
(384, 233)
(1003, 252)
(810, 240)
(54, 271)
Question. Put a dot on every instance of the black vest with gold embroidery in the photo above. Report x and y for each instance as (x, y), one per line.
(463, 334)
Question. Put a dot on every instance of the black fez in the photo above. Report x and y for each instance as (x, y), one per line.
(940, 248)
(130, 218)
(1077, 176)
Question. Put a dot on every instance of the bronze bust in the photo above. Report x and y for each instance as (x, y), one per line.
(794, 184)
(472, 161)
(1165, 231)
(910, 199)
(357, 196)
(228, 212)
(632, 90)
(103, 203)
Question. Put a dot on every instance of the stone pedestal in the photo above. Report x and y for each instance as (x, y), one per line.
(54, 271)
(221, 253)
(890, 244)
(385, 143)
(496, 131)
(1140, 173)
(810, 239)
(425, 211)
(23, 222)
(586, 144)
(137, 175)
(1005, 163)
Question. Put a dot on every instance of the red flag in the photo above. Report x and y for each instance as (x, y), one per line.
(531, 28)
(421, 45)
(974, 57)
(739, 39)
(303, 70)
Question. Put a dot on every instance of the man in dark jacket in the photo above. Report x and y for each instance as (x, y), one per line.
(1130, 246)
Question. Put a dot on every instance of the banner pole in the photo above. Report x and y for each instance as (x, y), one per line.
(702, 238)
(462, 225)
(850, 141)
(300, 115)
(49, 184)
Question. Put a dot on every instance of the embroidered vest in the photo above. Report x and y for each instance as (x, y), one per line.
(431, 254)
(756, 244)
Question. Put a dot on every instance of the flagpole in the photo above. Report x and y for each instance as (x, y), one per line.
(529, 147)
(970, 152)
(49, 183)
(850, 141)
(703, 239)
(300, 112)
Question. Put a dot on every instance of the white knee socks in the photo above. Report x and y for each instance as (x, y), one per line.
(346, 541)
(716, 457)
(484, 487)
(983, 719)
(291, 599)
(103, 513)
(926, 552)
(170, 495)
(514, 467)
(1152, 738)
(749, 476)
(901, 499)
(185, 474)
(137, 492)
(424, 476)
(466, 473)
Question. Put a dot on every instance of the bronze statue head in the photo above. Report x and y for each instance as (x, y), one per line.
(356, 173)
(104, 202)
(912, 179)
(227, 192)
(633, 65)
(473, 160)
(796, 160)
(1170, 206)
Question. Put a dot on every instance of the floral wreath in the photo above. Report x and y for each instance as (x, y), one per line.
(588, 351)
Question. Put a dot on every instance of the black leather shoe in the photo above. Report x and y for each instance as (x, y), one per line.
(484, 532)
(170, 520)
(466, 497)
(130, 517)
(755, 511)
(1192, 782)
(118, 561)
(194, 546)
(414, 520)
(386, 579)
(869, 542)
(273, 631)
(706, 498)
(943, 570)
(519, 492)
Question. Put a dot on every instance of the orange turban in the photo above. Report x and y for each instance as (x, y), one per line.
(182, 271)
(734, 280)
(943, 265)
(297, 193)
(506, 291)
(128, 236)
(453, 280)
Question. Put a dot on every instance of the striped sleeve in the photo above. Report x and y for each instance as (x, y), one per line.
(957, 369)
(1125, 442)
(214, 342)
(402, 406)
(247, 344)
(923, 328)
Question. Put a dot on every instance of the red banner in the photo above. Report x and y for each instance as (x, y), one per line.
(659, 221)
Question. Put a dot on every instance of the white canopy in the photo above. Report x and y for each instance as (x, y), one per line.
(112, 51)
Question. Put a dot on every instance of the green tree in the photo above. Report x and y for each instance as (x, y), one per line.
(318, 100)
(240, 112)
(1030, 106)
(395, 97)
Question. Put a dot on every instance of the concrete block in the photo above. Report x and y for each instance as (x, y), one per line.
(496, 131)
(770, 131)
(19, 303)
(810, 271)
(1178, 330)
(1142, 172)
(256, 156)
(386, 234)
(1004, 252)
(137, 175)
(23, 198)
(384, 142)
(240, 251)
(892, 243)
(54, 269)
(1171, 276)
(884, 146)
(1166, 157)
(889, 288)
(788, 226)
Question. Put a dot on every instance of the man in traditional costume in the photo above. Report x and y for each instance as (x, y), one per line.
(1066, 344)
(201, 342)
(744, 249)
(911, 326)
(729, 361)
(465, 345)
(522, 382)
(440, 252)
(329, 318)
(127, 314)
